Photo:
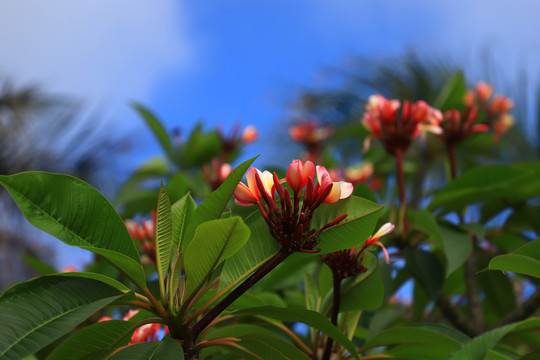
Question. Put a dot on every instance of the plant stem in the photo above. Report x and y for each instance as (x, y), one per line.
(274, 261)
(401, 187)
(335, 312)
(452, 161)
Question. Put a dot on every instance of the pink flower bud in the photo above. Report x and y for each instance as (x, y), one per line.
(484, 91)
(250, 134)
(298, 174)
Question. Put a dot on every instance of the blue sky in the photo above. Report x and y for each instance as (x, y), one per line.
(223, 61)
(238, 60)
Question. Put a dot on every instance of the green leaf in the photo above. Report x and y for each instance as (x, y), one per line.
(366, 291)
(353, 230)
(524, 260)
(100, 277)
(214, 241)
(259, 248)
(212, 207)
(271, 347)
(457, 247)
(157, 128)
(236, 330)
(482, 183)
(311, 291)
(311, 318)
(102, 335)
(154, 168)
(164, 238)
(416, 337)
(39, 311)
(41, 267)
(477, 348)
(167, 349)
(182, 210)
(427, 270)
(77, 214)
(451, 96)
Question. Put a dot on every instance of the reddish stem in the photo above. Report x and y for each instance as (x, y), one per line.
(401, 186)
(452, 160)
(235, 294)
(335, 313)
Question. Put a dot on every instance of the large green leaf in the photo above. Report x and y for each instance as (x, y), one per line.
(457, 247)
(354, 230)
(212, 207)
(427, 270)
(77, 214)
(157, 128)
(214, 241)
(478, 347)
(167, 349)
(100, 277)
(366, 292)
(182, 210)
(311, 318)
(483, 183)
(271, 347)
(524, 260)
(39, 311)
(102, 335)
(164, 238)
(260, 247)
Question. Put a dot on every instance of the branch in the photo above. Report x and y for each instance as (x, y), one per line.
(522, 312)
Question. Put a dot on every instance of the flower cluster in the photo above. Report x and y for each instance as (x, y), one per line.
(216, 173)
(397, 129)
(312, 135)
(459, 126)
(145, 234)
(288, 220)
(347, 263)
(231, 142)
(497, 108)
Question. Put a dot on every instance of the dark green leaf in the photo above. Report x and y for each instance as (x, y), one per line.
(427, 270)
(36, 312)
(366, 292)
(212, 207)
(102, 335)
(524, 260)
(308, 317)
(353, 230)
(77, 214)
(214, 241)
(167, 349)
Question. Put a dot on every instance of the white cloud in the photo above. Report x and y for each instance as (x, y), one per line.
(114, 50)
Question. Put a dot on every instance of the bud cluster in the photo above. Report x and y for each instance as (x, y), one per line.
(145, 234)
(348, 263)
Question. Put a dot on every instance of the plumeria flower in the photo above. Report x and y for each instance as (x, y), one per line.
(374, 239)
(340, 189)
(289, 221)
(250, 194)
(298, 174)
